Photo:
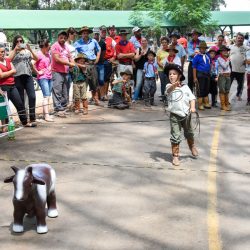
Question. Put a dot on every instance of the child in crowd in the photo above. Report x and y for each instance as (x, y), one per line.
(180, 109)
(248, 76)
(213, 75)
(172, 57)
(3, 111)
(201, 73)
(80, 84)
(121, 89)
(224, 81)
(150, 73)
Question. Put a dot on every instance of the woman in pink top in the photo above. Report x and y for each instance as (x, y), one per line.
(44, 75)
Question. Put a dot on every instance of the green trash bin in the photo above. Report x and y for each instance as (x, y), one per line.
(3, 108)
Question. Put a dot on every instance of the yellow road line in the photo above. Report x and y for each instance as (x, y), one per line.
(212, 216)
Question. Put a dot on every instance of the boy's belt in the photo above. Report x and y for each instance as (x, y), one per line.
(225, 74)
(125, 63)
(150, 78)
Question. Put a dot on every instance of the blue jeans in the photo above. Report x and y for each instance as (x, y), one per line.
(46, 86)
(139, 81)
(100, 71)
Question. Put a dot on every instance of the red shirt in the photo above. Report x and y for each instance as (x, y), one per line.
(124, 47)
(9, 80)
(110, 48)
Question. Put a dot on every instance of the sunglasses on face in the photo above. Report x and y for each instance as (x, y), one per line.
(19, 41)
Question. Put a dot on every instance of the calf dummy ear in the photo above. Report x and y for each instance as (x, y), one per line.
(15, 169)
(9, 179)
(38, 181)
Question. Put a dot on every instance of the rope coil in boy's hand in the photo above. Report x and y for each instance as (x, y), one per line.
(192, 118)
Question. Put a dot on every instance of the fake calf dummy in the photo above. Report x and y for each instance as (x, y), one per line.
(34, 186)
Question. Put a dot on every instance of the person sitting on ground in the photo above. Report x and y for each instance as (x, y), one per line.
(80, 84)
(120, 90)
(213, 75)
(172, 57)
(151, 73)
(224, 80)
(179, 109)
(201, 74)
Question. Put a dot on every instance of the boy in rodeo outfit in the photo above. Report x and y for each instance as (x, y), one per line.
(181, 103)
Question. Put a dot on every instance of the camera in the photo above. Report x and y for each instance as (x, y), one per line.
(22, 46)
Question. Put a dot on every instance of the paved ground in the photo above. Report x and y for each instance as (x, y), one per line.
(117, 189)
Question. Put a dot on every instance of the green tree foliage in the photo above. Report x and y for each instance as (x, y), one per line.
(186, 13)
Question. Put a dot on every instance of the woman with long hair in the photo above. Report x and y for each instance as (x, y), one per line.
(9, 90)
(21, 57)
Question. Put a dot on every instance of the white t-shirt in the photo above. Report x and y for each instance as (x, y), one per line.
(238, 57)
(179, 100)
(3, 38)
(72, 49)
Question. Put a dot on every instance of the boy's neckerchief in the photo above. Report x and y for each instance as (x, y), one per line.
(171, 58)
(123, 43)
(224, 58)
(195, 43)
(152, 63)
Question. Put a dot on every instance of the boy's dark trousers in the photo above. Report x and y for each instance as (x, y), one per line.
(149, 90)
(213, 89)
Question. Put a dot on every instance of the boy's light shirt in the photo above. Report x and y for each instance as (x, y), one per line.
(179, 100)
(248, 58)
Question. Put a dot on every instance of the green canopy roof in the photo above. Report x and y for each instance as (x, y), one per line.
(61, 19)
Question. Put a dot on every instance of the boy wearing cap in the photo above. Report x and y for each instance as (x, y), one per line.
(172, 57)
(213, 75)
(61, 61)
(150, 73)
(201, 74)
(120, 90)
(179, 109)
(80, 84)
(224, 80)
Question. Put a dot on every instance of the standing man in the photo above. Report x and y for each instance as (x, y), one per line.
(181, 51)
(61, 61)
(112, 34)
(92, 50)
(100, 64)
(238, 62)
(125, 52)
(136, 38)
(193, 49)
(109, 59)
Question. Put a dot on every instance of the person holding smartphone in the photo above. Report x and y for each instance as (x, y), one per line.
(21, 57)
